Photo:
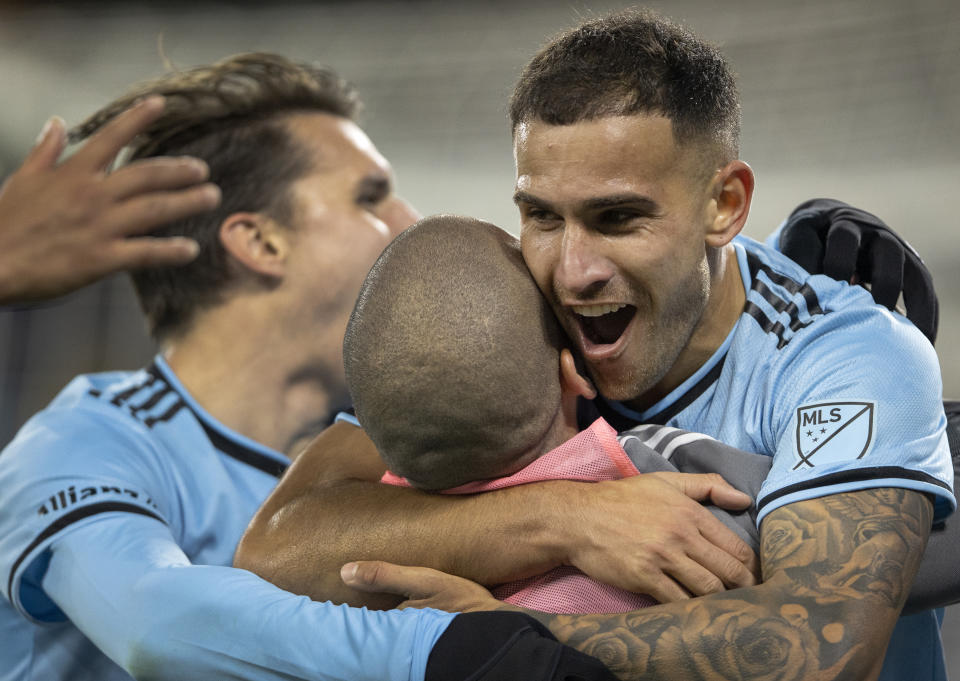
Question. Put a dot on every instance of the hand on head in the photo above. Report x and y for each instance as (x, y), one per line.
(64, 225)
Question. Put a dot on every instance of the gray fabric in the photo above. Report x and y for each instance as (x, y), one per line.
(743, 470)
(938, 581)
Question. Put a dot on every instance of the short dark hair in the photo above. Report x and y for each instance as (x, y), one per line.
(452, 355)
(632, 62)
(231, 114)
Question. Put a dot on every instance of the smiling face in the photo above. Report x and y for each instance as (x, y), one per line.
(615, 225)
(345, 212)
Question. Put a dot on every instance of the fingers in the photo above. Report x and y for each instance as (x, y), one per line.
(801, 242)
(103, 147)
(156, 174)
(144, 213)
(665, 589)
(841, 251)
(382, 577)
(50, 145)
(732, 565)
(708, 487)
(707, 562)
(886, 269)
(151, 252)
(713, 557)
(919, 297)
(688, 578)
(729, 557)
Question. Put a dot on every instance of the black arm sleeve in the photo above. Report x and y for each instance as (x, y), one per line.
(505, 646)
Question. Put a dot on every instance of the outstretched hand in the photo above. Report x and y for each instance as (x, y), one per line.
(421, 587)
(64, 225)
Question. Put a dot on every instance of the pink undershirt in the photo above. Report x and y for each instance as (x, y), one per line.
(593, 455)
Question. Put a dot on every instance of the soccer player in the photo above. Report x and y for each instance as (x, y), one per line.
(467, 327)
(631, 199)
(123, 501)
(65, 225)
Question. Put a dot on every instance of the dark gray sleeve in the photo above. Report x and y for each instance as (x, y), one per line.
(659, 448)
(938, 582)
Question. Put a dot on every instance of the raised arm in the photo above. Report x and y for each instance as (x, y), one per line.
(328, 510)
(836, 573)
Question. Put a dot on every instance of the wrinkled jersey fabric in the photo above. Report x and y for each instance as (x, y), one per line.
(842, 394)
(122, 504)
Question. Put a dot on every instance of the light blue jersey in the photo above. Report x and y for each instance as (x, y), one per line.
(121, 505)
(843, 394)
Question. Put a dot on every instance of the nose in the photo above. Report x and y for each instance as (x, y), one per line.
(583, 269)
(398, 214)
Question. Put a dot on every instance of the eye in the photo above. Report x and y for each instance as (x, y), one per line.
(370, 200)
(540, 217)
(371, 192)
(614, 219)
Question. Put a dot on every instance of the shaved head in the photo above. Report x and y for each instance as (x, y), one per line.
(452, 354)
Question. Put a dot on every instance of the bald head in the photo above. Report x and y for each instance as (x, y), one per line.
(452, 355)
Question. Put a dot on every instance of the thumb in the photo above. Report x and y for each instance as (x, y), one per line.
(713, 488)
(381, 577)
(50, 143)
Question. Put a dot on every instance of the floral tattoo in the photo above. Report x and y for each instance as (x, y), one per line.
(836, 574)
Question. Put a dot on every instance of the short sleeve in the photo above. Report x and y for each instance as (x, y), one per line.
(858, 405)
(66, 468)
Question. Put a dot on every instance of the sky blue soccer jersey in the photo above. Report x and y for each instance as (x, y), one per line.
(122, 503)
(842, 393)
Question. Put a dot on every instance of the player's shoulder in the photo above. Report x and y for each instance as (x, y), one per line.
(97, 413)
(782, 291)
(809, 315)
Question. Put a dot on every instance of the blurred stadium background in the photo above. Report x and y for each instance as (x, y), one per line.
(853, 99)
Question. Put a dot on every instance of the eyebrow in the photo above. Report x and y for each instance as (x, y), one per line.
(521, 196)
(642, 203)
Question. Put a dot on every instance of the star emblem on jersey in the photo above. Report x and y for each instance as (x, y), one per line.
(834, 431)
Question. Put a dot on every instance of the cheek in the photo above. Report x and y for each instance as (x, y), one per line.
(337, 270)
(540, 258)
(356, 248)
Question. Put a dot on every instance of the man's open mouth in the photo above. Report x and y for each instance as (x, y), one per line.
(604, 324)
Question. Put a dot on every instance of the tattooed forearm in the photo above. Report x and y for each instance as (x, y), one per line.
(837, 571)
(849, 546)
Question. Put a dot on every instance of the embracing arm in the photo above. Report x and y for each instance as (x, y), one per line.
(328, 510)
(836, 574)
(130, 589)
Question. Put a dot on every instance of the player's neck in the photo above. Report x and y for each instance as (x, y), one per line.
(246, 375)
(727, 298)
(565, 424)
(559, 432)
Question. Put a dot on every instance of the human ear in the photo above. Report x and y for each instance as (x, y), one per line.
(257, 242)
(572, 382)
(732, 189)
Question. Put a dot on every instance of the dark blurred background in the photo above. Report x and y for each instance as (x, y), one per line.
(854, 99)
